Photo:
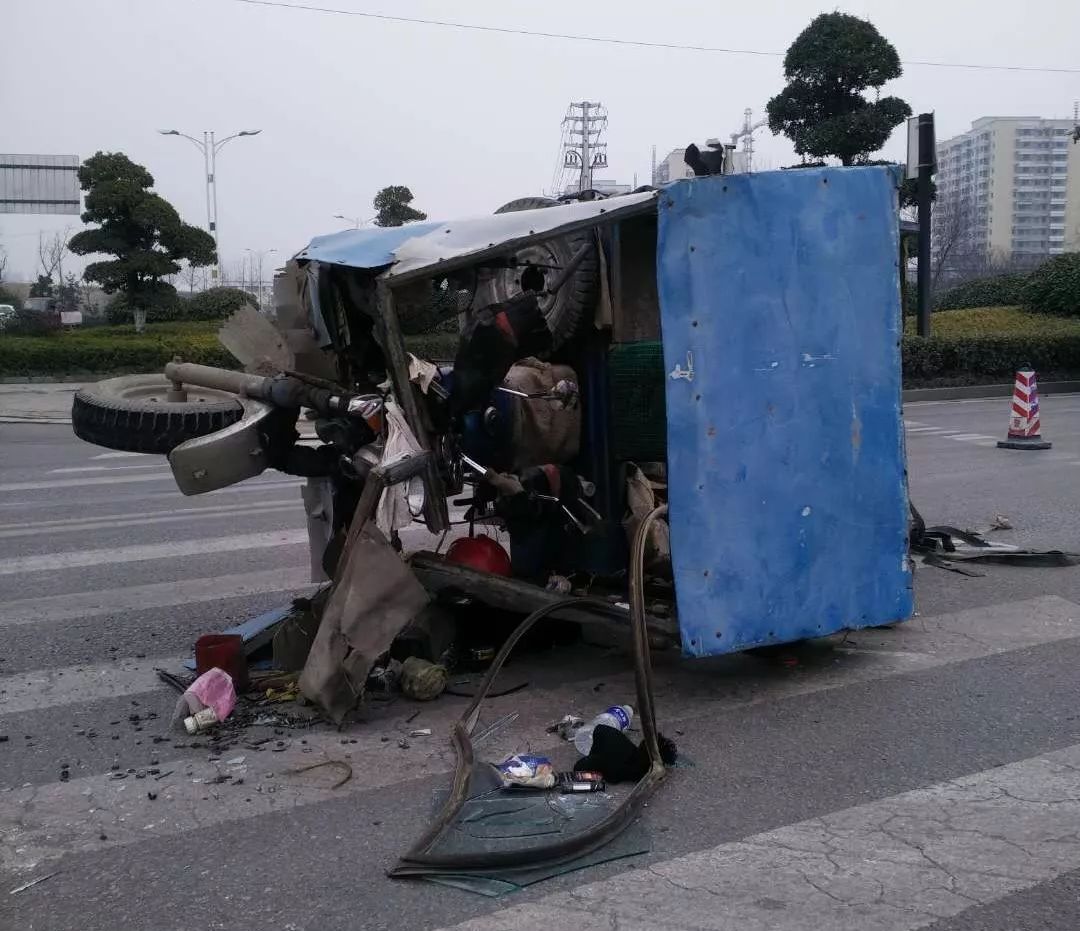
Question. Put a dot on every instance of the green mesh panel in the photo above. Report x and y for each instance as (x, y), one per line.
(638, 417)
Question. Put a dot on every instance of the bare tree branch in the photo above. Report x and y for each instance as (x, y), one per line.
(51, 252)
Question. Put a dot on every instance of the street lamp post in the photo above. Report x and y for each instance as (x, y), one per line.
(259, 255)
(209, 146)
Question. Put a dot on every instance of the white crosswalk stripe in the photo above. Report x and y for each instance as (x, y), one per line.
(107, 601)
(68, 685)
(148, 518)
(96, 812)
(898, 864)
(146, 551)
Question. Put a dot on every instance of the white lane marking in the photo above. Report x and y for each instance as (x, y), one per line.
(924, 430)
(117, 455)
(174, 495)
(85, 482)
(69, 685)
(968, 437)
(108, 601)
(115, 468)
(211, 508)
(108, 480)
(75, 559)
(181, 515)
(1044, 399)
(70, 817)
(897, 864)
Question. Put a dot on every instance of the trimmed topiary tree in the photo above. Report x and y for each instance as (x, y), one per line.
(217, 303)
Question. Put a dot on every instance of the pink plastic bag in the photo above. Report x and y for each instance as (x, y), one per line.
(213, 689)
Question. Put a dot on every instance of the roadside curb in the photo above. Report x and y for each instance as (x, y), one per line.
(969, 392)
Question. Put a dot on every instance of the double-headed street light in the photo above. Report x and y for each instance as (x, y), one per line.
(209, 146)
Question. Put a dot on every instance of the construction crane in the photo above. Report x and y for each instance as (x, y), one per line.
(746, 134)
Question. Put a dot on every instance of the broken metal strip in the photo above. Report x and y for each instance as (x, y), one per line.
(419, 861)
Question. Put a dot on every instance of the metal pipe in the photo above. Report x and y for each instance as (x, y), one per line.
(206, 376)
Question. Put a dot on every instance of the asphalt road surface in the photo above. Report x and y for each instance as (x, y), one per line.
(922, 777)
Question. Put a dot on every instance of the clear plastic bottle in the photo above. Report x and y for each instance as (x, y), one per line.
(617, 716)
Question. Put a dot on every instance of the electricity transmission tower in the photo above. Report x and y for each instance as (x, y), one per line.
(583, 126)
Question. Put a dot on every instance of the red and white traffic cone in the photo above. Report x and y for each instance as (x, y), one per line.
(1024, 419)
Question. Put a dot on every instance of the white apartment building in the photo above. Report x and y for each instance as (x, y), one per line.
(1010, 188)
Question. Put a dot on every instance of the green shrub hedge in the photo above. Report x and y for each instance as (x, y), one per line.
(106, 350)
(980, 359)
(996, 291)
(1054, 287)
(996, 321)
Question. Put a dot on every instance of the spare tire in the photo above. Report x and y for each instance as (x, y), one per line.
(565, 309)
(132, 413)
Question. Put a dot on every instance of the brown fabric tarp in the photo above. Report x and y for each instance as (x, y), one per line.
(375, 596)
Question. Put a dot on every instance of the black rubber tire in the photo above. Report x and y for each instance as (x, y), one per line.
(131, 414)
(564, 311)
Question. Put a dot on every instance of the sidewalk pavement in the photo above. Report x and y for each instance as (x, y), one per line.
(37, 403)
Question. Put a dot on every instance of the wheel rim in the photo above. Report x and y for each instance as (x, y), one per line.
(157, 391)
(537, 264)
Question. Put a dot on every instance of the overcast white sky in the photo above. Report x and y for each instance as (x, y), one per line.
(468, 120)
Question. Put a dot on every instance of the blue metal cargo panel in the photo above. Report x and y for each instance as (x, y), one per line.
(779, 297)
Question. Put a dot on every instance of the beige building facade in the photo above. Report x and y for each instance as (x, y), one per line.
(1009, 189)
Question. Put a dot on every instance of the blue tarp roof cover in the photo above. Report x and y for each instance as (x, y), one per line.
(423, 245)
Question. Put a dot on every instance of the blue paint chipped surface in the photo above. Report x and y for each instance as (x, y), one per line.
(785, 449)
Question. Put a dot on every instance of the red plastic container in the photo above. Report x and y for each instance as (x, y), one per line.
(225, 651)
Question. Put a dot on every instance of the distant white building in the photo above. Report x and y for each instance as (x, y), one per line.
(1011, 185)
(672, 167)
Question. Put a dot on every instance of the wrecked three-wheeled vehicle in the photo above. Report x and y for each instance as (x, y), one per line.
(682, 407)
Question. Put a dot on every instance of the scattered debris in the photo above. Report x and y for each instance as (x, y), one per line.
(944, 547)
(466, 688)
(33, 882)
(422, 732)
(208, 701)
(527, 771)
(566, 727)
(174, 681)
(422, 680)
(615, 756)
(494, 728)
(341, 764)
(617, 717)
